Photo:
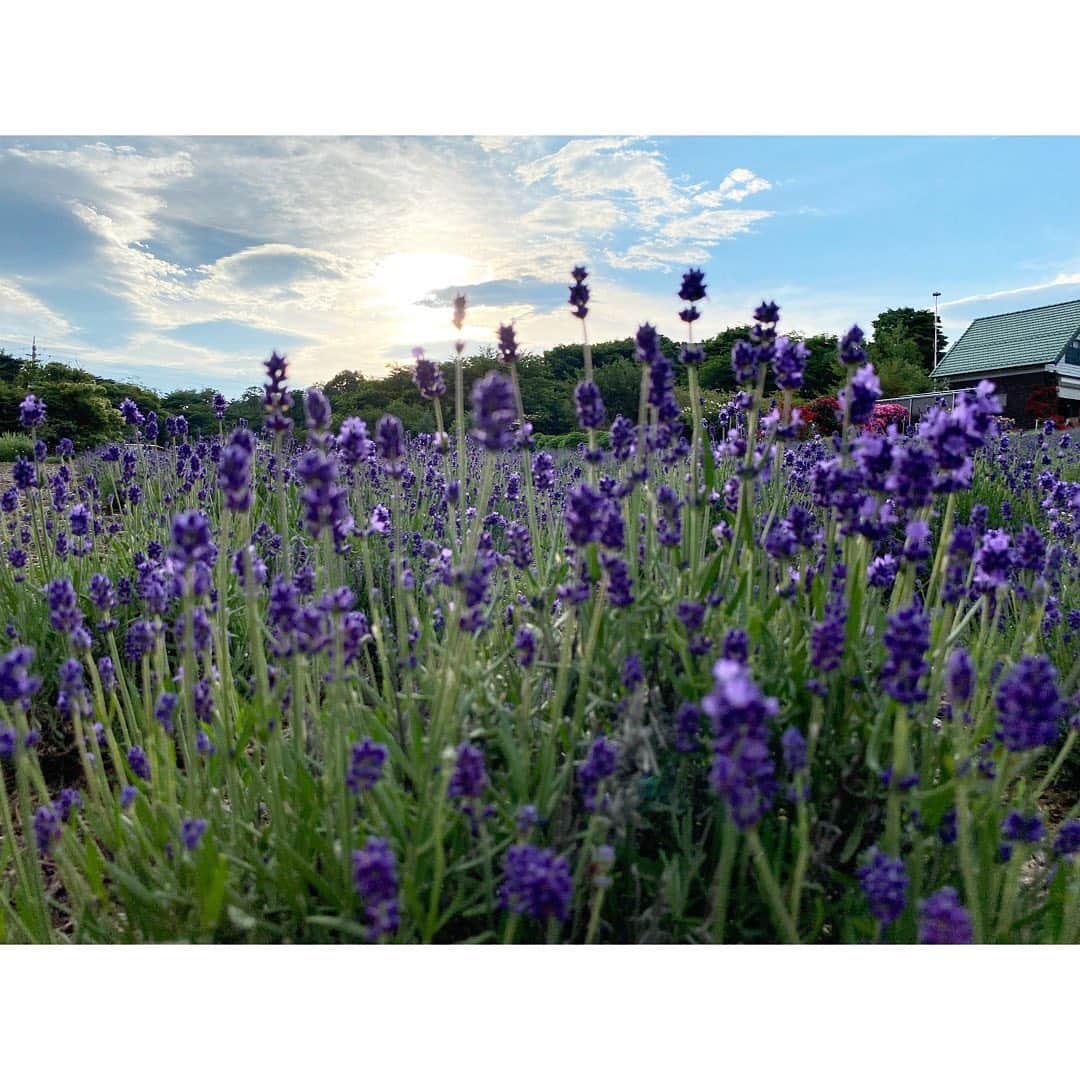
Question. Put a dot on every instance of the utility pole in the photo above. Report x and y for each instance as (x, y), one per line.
(33, 351)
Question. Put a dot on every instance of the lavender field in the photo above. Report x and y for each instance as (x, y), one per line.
(713, 677)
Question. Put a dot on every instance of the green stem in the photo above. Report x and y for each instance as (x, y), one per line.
(771, 890)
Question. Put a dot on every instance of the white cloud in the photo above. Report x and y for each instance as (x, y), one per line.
(736, 186)
(23, 316)
(1057, 282)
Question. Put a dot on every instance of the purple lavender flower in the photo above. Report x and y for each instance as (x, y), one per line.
(165, 709)
(374, 876)
(507, 345)
(668, 517)
(139, 763)
(860, 395)
(353, 442)
(525, 643)
(917, 541)
(1067, 842)
(745, 362)
(79, 520)
(768, 311)
(130, 412)
(325, 501)
(693, 286)
(827, 640)
(993, 560)
(107, 674)
(543, 469)
(427, 376)
(943, 920)
(691, 291)
(526, 819)
(736, 646)
(366, 765)
(584, 513)
(191, 541)
(494, 412)
(599, 764)
(959, 676)
(32, 412)
(234, 471)
(536, 883)
(789, 363)
(519, 544)
(743, 768)
(47, 827)
(911, 477)
(1023, 828)
(646, 344)
(1030, 708)
(885, 883)
(23, 474)
(633, 675)
(390, 445)
(618, 579)
(191, 832)
(139, 640)
(794, 748)
(1030, 548)
(220, 404)
(469, 777)
(67, 803)
(579, 292)
(688, 728)
(907, 637)
(17, 686)
(590, 406)
(276, 397)
(851, 347)
(64, 613)
(691, 614)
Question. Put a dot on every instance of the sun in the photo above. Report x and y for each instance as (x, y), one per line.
(408, 276)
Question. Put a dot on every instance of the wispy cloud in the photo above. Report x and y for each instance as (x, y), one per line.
(23, 315)
(1057, 282)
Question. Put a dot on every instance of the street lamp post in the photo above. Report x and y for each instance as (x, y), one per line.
(935, 295)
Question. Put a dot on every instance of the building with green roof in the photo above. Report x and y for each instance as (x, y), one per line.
(1036, 351)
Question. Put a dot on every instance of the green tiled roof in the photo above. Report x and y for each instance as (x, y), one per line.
(1016, 339)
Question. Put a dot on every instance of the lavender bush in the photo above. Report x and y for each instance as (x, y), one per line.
(704, 680)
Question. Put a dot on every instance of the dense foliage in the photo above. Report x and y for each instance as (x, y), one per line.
(83, 406)
(697, 680)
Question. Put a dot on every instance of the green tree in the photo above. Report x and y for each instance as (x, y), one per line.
(146, 400)
(915, 325)
(898, 364)
(249, 407)
(620, 385)
(196, 406)
(10, 366)
(79, 411)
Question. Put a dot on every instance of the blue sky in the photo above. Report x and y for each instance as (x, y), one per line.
(183, 262)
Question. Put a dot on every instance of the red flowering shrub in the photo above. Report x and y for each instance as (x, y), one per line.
(1043, 404)
(823, 415)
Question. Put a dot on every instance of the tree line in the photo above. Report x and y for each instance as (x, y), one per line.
(83, 407)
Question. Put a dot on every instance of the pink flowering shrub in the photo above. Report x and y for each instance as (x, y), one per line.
(885, 415)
